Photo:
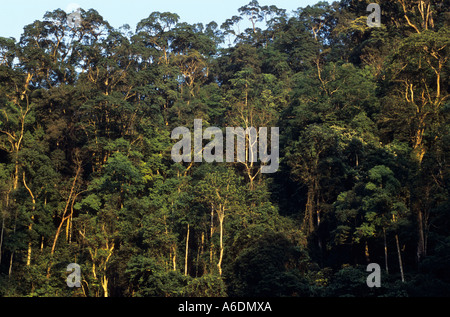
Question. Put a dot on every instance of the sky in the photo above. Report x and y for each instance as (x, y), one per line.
(14, 15)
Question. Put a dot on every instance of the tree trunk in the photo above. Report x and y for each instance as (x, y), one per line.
(12, 253)
(174, 258)
(15, 186)
(30, 226)
(104, 282)
(219, 264)
(201, 255)
(308, 221)
(366, 252)
(211, 248)
(187, 252)
(385, 251)
(421, 244)
(72, 189)
(399, 258)
(418, 147)
(10, 264)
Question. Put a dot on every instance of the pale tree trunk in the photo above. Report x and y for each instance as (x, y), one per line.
(30, 226)
(211, 232)
(104, 282)
(66, 217)
(418, 147)
(219, 264)
(187, 252)
(105, 279)
(102, 267)
(172, 248)
(174, 258)
(400, 263)
(10, 264)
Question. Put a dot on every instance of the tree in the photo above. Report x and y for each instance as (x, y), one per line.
(378, 207)
(417, 88)
(270, 266)
(219, 191)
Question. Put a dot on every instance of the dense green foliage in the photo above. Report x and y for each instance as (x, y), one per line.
(86, 175)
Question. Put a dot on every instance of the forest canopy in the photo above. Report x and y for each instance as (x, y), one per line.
(86, 173)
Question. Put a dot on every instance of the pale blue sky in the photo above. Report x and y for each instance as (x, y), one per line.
(14, 14)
